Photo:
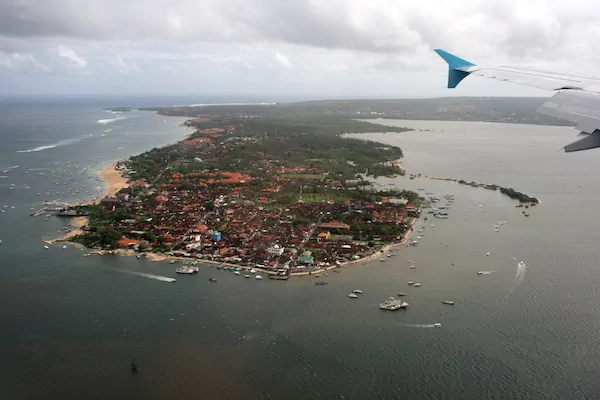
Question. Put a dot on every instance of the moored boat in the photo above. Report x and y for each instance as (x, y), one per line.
(184, 270)
(392, 304)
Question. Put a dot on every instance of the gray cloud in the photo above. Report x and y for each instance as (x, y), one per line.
(373, 46)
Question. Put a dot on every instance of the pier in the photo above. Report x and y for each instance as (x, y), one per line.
(46, 209)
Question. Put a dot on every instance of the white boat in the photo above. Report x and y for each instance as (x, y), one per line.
(246, 276)
(252, 271)
(392, 304)
(259, 277)
(411, 282)
(184, 270)
(437, 325)
(382, 259)
(236, 272)
(357, 291)
(353, 296)
(417, 284)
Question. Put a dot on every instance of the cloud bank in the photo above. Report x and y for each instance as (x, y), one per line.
(336, 47)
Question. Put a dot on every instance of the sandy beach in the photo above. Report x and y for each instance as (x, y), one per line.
(113, 179)
(76, 225)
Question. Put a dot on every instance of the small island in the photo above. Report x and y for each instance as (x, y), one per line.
(283, 194)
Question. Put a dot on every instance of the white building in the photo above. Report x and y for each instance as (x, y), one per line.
(276, 250)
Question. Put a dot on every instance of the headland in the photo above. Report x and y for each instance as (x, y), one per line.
(282, 194)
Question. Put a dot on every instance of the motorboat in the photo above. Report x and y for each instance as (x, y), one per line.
(353, 296)
(417, 284)
(448, 302)
(411, 282)
(259, 277)
(236, 272)
(437, 325)
(357, 291)
(401, 294)
(211, 279)
(246, 276)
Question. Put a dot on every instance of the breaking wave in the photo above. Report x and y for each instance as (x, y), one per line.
(53, 145)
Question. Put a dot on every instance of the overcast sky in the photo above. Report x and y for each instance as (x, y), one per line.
(271, 48)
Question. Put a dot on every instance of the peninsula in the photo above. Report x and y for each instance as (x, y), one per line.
(256, 188)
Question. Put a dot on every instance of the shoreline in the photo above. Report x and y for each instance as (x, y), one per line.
(114, 180)
(159, 257)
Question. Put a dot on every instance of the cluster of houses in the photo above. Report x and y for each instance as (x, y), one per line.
(231, 216)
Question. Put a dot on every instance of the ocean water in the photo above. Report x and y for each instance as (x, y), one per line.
(71, 324)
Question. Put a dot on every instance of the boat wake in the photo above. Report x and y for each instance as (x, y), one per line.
(519, 277)
(420, 325)
(145, 275)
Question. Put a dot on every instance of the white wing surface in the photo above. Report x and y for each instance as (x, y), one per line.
(577, 99)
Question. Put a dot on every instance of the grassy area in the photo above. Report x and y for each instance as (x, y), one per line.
(303, 176)
(319, 197)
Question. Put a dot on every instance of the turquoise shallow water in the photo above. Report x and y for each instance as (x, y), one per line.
(71, 324)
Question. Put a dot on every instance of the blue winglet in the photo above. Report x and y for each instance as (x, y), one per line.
(455, 75)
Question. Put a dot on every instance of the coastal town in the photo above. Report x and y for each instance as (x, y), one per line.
(287, 203)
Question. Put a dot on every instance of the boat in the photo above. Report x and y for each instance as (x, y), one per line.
(413, 267)
(401, 294)
(392, 304)
(480, 273)
(252, 271)
(236, 272)
(211, 279)
(319, 283)
(382, 259)
(184, 270)
(194, 269)
(133, 365)
(357, 291)
(417, 284)
(259, 277)
(411, 282)
(246, 276)
(449, 302)
(437, 325)
(353, 296)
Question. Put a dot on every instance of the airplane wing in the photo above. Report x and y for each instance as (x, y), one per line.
(577, 99)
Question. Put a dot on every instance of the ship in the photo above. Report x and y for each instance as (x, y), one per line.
(392, 304)
(184, 270)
